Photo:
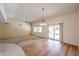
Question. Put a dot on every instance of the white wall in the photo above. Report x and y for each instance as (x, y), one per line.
(78, 28)
(1, 33)
(13, 29)
(69, 27)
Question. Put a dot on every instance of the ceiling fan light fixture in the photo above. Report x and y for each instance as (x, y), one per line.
(43, 24)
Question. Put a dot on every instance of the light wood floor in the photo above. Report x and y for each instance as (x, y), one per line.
(50, 48)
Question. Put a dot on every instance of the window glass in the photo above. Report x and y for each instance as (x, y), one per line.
(37, 29)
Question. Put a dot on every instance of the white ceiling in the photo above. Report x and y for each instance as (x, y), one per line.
(10, 9)
(31, 12)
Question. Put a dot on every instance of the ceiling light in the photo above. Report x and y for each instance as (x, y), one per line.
(43, 20)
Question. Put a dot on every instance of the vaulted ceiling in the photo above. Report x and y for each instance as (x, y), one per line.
(33, 11)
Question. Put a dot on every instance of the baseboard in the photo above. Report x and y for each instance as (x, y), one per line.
(70, 44)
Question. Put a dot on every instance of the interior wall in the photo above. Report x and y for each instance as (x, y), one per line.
(78, 28)
(15, 28)
(69, 27)
(1, 32)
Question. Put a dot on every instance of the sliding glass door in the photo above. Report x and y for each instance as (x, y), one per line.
(54, 32)
(51, 32)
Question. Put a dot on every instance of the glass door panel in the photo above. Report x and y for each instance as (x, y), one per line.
(54, 32)
(50, 31)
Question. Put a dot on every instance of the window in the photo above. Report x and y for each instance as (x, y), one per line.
(37, 29)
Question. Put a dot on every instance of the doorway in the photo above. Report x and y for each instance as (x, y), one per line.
(54, 32)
